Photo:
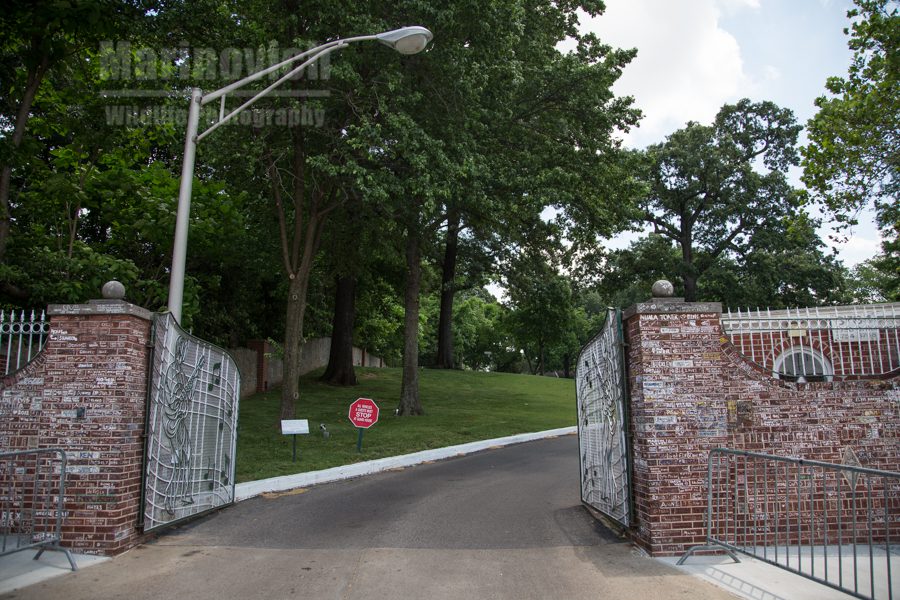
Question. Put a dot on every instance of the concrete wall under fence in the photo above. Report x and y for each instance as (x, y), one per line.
(692, 391)
(246, 360)
(260, 371)
(86, 393)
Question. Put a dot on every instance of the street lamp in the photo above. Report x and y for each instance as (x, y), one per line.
(406, 40)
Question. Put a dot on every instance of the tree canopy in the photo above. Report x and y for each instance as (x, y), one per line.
(375, 196)
(853, 156)
(713, 187)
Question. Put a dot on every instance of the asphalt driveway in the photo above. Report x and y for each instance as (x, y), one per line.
(504, 523)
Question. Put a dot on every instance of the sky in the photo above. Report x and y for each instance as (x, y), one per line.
(696, 55)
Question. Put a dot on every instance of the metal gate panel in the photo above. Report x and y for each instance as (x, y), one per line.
(192, 427)
(603, 422)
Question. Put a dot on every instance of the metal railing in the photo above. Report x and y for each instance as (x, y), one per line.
(22, 338)
(32, 501)
(831, 523)
(839, 342)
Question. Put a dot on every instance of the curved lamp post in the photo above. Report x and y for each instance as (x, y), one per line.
(406, 40)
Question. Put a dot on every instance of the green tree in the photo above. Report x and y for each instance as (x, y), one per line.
(379, 323)
(347, 252)
(466, 266)
(541, 308)
(477, 327)
(872, 281)
(305, 174)
(548, 141)
(478, 330)
(627, 274)
(93, 197)
(853, 156)
(785, 264)
(519, 126)
(712, 187)
(36, 38)
(782, 265)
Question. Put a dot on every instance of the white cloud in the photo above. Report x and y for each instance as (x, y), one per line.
(687, 66)
(739, 4)
(771, 73)
(858, 249)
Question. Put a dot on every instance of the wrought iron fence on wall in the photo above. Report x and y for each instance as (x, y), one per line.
(819, 344)
(22, 337)
(837, 524)
(32, 501)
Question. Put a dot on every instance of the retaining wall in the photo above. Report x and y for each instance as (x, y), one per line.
(261, 372)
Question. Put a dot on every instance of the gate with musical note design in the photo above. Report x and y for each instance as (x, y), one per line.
(603, 422)
(192, 427)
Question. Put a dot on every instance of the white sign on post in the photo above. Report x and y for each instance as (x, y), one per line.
(294, 426)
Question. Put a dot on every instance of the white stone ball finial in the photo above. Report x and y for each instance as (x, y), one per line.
(663, 289)
(113, 290)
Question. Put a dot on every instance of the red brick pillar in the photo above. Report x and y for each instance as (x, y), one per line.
(678, 413)
(87, 394)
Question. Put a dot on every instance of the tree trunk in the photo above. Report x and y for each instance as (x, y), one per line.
(298, 249)
(340, 359)
(293, 340)
(5, 177)
(528, 362)
(567, 365)
(409, 388)
(445, 358)
(690, 287)
(541, 368)
(688, 273)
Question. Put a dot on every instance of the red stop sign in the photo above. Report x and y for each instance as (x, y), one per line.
(363, 413)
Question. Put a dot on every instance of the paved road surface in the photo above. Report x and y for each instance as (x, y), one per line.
(505, 523)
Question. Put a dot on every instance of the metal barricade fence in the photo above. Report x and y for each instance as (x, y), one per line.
(32, 501)
(831, 523)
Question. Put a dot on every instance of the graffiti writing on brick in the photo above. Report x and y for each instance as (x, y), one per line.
(62, 335)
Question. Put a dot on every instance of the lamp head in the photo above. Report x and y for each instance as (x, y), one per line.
(406, 40)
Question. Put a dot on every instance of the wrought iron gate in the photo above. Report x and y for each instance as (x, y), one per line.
(192, 427)
(603, 424)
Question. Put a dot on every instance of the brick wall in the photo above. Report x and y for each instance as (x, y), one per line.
(691, 391)
(86, 393)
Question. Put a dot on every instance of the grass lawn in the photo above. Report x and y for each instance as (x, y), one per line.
(460, 407)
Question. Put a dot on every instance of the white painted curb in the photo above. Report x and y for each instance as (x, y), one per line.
(250, 489)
